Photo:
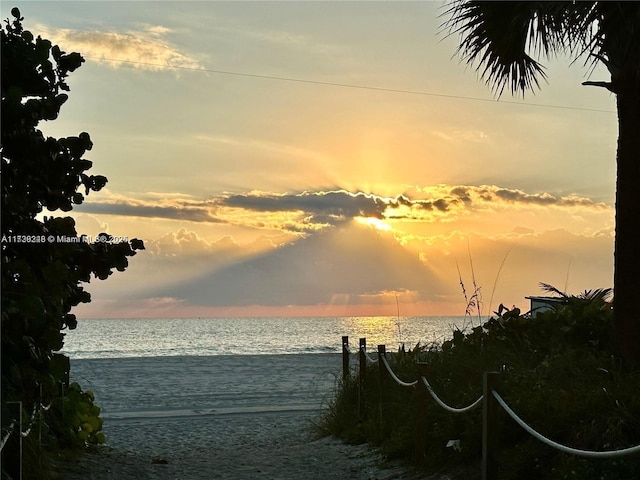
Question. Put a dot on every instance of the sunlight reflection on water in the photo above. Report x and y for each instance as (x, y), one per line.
(115, 338)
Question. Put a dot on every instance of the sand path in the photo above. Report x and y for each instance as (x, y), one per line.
(233, 418)
(248, 446)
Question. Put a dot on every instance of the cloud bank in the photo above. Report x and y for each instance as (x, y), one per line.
(309, 211)
(348, 251)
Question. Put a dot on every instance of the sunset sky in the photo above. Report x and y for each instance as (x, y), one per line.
(326, 158)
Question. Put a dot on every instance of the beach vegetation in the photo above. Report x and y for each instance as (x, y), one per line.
(559, 371)
(45, 263)
(502, 39)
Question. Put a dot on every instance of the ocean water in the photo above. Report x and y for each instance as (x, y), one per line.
(158, 337)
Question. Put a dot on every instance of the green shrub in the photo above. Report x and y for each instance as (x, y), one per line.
(558, 373)
(81, 423)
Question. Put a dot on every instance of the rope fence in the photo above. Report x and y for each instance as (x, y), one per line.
(558, 446)
(11, 450)
(444, 405)
(11, 447)
(6, 436)
(491, 402)
(371, 359)
(394, 376)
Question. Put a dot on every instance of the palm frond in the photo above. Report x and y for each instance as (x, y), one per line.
(498, 36)
(597, 295)
(545, 287)
(615, 37)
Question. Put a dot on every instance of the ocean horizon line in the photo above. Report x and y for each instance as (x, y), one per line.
(210, 336)
(280, 317)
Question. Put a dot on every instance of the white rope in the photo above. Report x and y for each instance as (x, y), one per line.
(372, 360)
(31, 422)
(37, 411)
(558, 446)
(368, 357)
(8, 434)
(447, 407)
(394, 376)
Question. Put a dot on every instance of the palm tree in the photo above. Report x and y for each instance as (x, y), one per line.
(499, 37)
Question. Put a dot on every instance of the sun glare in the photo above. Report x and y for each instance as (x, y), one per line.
(375, 223)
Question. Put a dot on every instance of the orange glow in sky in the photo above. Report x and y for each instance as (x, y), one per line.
(325, 158)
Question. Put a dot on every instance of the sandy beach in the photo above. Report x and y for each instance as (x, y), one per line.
(222, 417)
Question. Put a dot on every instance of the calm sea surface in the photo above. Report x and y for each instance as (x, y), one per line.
(156, 337)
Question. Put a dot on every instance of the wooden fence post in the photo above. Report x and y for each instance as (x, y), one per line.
(345, 357)
(382, 351)
(362, 357)
(490, 426)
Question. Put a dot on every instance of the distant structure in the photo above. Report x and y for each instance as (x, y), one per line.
(542, 304)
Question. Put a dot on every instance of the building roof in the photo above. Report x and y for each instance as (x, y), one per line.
(546, 299)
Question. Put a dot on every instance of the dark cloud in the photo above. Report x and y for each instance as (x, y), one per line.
(441, 204)
(188, 213)
(493, 193)
(543, 198)
(336, 206)
(319, 208)
(339, 203)
(522, 197)
(309, 211)
(462, 193)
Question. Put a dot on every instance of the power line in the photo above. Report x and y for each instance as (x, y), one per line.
(351, 85)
